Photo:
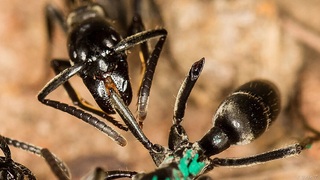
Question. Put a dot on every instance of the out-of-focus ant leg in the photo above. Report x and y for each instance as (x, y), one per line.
(100, 173)
(54, 165)
(18, 171)
(52, 16)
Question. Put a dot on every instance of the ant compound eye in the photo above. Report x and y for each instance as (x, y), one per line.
(248, 112)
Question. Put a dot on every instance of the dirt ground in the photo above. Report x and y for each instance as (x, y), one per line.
(277, 40)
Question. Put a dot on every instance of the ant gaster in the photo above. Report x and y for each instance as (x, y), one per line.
(98, 55)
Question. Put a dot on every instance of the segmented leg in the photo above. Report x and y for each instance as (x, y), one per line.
(10, 169)
(14, 169)
(149, 62)
(61, 173)
(59, 66)
(291, 150)
(99, 173)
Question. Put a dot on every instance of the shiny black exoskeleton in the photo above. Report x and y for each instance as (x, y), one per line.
(11, 170)
(241, 118)
(98, 54)
(92, 43)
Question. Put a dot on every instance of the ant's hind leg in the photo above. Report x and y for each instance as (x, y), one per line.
(285, 152)
(100, 173)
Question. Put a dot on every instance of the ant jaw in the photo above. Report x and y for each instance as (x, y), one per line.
(111, 85)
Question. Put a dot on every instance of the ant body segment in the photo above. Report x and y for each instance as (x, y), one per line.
(10, 169)
(241, 118)
(98, 55)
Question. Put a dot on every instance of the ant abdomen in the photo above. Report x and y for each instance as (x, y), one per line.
(248, 112)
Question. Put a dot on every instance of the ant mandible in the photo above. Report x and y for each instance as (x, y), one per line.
(98, 55)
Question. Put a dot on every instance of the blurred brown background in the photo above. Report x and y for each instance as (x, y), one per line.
(241, 40)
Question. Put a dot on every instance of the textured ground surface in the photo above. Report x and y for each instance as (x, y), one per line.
(241, 40)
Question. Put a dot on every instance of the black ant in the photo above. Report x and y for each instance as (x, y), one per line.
(10, 169)
(241, 118)
(98, 55)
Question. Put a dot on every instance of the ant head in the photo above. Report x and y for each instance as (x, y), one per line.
(92, 40)
(243, 116)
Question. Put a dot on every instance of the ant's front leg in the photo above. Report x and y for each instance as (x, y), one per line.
(144, 91)
(63, 78)
(58, 66)
(148, 62)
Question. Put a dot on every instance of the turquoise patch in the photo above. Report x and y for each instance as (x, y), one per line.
(194, 167)
(308, 146)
